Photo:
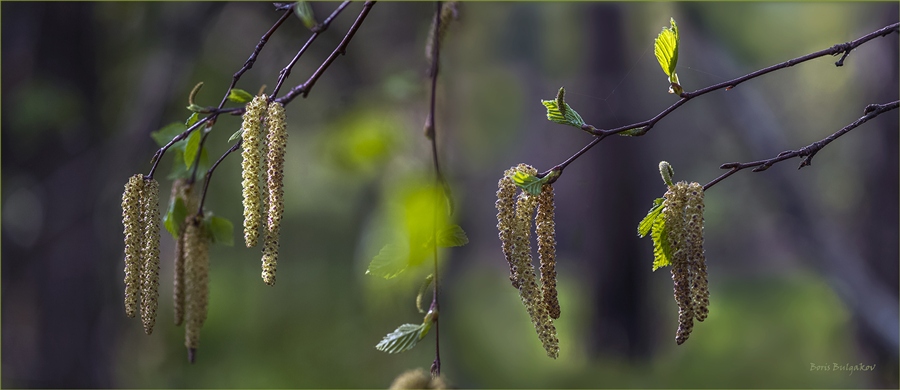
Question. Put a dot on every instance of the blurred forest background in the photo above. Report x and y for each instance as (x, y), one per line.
(803, 264)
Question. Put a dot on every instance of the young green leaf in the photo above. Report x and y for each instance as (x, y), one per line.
(221, 230)
(566, 116)
(647, 223)
(191, 120)
(175, 217)
(305, 13)
(420, 297)
(165, 134)
(451, 236)
(662, 252)
(403, 339)
(192, 147)
(239, 96)
(195, 108)
(634, 132)
(529, 183)
(237, 135)
(390, 262)
(666, 50)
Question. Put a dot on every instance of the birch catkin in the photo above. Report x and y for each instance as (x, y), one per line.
(196, 280)
(545, 228)
(676, 197)
(150, 254)
(694, 222)
(277, 143)
(181, 189)
(134, 233)
(506, 217)
(251, 168)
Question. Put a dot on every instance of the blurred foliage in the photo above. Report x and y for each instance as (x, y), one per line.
(358, 176)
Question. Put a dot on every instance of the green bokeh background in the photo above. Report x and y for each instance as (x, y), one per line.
(84, 84)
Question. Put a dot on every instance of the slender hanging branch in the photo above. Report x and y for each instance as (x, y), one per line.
(645, 126)
(807, 152)
(430, 132)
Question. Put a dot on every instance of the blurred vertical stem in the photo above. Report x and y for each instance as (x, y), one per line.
(431, 134)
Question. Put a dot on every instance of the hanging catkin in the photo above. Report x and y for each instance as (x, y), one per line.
(277, 143)
(134, 233)
(253, 155)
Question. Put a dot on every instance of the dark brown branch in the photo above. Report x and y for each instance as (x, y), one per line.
(317, 29)
(340, 49)
(431, 133)
(807, 152)
(645, 126)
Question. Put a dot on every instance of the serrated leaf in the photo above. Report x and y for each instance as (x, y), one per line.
(191, 120)
(662, 252)
(666, 50)
(191, 148)
(529, 183)
(420, 297)
(391, 261)
(570, 117)
(451, 236)
(402, 339)
(237, 135)
(240, 96)
(304, 11)
(175, 217)
(647, 223)
(221, 230)
(165, 134)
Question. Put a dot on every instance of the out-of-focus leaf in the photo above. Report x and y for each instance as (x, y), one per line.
(221, 230)
(239, 96)
(191, 120)
(175, 217)
(165, 134)
(304, 11)
(420, 297)
(237, 135)
(403, 339)
(390, 262)
(451, 236)
(192, 147)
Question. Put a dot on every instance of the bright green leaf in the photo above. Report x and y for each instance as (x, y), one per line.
(403, 339)
(165, 134)
(662, 252)
(530, 183)
(175, 217)
(191, 120)
(666, 49)
(239, 96)
(420, 297)
(647, 223)
(237, 134)
(390, 262)
(305, 13)
(221, 230)
(451, 236)
(192, 147)
(554, 114)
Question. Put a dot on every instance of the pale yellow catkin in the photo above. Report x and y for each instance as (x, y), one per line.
(417, 379)
(150, 254)
(134, 233)
(694, 222)
(184, 190)
(196, 279)
(277, 144)
(252, 141)
(506, 217)
(545, 229)
(673, 213)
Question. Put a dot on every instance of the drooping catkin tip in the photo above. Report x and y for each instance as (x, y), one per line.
(192, 355)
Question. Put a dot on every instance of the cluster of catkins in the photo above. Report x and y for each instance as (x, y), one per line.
(514, 216)
(683, 213)
(140, 216)
(264, 139)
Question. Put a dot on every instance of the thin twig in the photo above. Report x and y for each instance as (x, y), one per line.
(431, 133)
(645, 126)
(807, 152)
(340, 49)
(210, 171)
(320, 28)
